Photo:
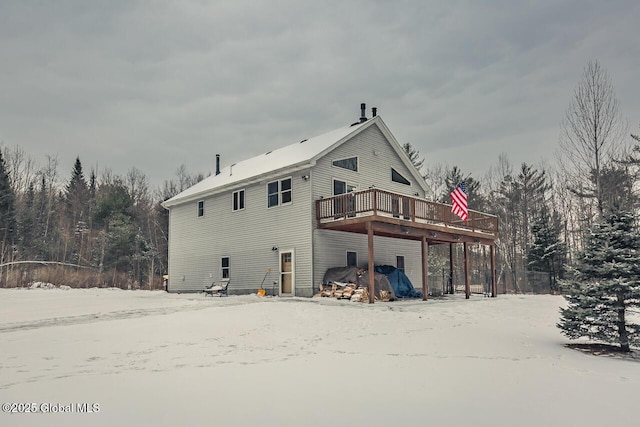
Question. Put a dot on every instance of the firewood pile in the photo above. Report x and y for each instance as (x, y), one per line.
(350, 291)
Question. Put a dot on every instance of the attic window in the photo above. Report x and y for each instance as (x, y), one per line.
(350, 163)
(396, 177)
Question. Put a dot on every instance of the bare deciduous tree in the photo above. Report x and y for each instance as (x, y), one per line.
(591, 134)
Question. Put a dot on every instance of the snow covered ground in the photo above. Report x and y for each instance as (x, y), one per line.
(151, 358)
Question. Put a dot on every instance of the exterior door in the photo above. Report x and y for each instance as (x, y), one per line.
(339, 206)
(287, 273)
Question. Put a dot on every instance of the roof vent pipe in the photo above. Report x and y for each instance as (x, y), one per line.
(374, 111)
(363, 113)
(217, 164)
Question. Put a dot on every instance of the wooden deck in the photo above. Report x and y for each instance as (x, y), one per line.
(405, 217)
(377, 212)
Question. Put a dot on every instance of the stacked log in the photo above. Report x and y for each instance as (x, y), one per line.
(349, 291)
(361, 294)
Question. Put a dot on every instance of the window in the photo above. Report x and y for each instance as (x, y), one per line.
(272, 191)
(201, 208)
(351, 163)
(285, 191)
(396, 177)
(400, 262)
(225, 271)
(238, 200)
(352, 259)
(279, 192)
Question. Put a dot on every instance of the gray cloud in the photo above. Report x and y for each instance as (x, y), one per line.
(157, 84)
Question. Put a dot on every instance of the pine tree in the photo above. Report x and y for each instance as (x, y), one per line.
(414, 155)
(27, 225)
(475, 198)
(547, 253)
(605, 285)
(7, 210)
(77, 194)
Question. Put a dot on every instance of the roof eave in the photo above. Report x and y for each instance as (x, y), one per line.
(237, 184)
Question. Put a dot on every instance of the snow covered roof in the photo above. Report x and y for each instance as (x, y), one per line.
(300, 155)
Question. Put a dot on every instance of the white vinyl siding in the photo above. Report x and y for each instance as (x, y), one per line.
(246, 237)
(375, 157)
(330, 247)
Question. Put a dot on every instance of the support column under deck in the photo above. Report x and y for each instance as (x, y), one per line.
(467, 285)
(494, 284)
(425, 269)
(450, 290)
(371, 264)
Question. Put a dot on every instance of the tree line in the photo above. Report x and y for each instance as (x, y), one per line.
(110, 224)
(115, 225)
(546, 214)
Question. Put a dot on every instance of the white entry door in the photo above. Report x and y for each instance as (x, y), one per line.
(287, 273)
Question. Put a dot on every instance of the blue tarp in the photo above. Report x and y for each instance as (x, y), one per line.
(402, 286)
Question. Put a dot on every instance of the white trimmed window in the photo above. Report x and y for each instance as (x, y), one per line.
(225, 270)
(350, 163)
(400, 262)
(238, 200)
(279, 192)
(201, 208)
(397, 177)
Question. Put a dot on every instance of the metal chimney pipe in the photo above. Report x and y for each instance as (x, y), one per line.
(217, 164)
(374, 111)
(363, 112)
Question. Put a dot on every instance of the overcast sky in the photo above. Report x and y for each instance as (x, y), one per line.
(157, 84)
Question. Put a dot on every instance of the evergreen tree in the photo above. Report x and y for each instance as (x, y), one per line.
(475, 199)
(27, 225)
(77, 194)
(605, 285)
(7, 211)
(414, 155)
(547, 253)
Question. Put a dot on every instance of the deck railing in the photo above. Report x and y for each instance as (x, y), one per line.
(385, 203)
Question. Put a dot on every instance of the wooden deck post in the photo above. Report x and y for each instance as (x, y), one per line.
(371, 263)
(494, 284)
(374, 194)
(425, 268)
(451, 288)
(467, 285)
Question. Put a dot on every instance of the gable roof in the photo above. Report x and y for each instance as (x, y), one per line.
(293, 157)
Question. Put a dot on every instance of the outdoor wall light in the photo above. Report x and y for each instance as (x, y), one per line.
(274, 248)
(305, 177)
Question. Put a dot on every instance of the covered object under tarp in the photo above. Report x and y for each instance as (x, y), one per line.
(359, 277)
(402, 286)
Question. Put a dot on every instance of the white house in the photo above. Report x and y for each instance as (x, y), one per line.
(281, 219)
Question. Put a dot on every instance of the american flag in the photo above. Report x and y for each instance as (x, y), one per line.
(459, 201)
